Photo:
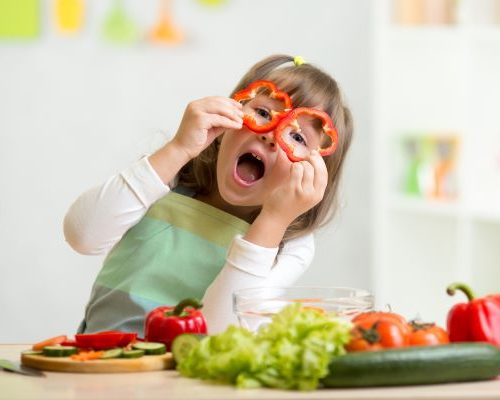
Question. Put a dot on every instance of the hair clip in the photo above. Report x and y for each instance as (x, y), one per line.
(299, 60)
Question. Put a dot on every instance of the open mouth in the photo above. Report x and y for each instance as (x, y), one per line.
(250, 168)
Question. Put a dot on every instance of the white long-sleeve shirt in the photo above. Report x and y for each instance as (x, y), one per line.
(100, 217)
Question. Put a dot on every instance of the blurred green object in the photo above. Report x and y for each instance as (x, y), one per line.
(413, 155)
(118, 26)
(212, 3)
(411, 185)
(19, 18)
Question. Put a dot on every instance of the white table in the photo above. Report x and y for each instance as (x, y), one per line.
(169, 385)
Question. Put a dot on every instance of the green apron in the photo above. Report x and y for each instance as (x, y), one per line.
(175, 251)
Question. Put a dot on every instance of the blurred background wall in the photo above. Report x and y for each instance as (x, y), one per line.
(421, 188)
(436, 153)
(77, 108)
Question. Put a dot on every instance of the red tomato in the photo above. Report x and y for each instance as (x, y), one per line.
(379, 330)
(427, 334)
(375, 315)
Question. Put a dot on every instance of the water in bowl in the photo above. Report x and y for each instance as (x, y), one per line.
(256, 307)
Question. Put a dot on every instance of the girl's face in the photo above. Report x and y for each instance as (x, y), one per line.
(250, 166)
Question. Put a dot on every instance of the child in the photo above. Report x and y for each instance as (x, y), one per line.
(217, 209)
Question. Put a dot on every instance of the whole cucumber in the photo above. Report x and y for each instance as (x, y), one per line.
(417, 365)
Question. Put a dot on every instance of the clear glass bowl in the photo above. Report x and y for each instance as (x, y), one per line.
(255, 307)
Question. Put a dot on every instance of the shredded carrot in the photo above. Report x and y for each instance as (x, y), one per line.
(50, 342)
(87, 355)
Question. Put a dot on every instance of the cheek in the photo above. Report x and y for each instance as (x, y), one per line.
(233, 139)
(281, 169)
(228, 143)
(229, 147)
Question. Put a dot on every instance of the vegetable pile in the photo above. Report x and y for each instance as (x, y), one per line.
(97, 346)
(304, 348)
(292, 352)
(384, 330)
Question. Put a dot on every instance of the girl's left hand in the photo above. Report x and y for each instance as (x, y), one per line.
(301, 192)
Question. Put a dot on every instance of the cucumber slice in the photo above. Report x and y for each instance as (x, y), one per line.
(32, 352)
(183, 344)
(59, 351)
(150, 348)
(112, 353)
(132, 353)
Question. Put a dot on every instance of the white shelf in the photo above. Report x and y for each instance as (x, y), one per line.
(443, 208)
(432, 35)
(422, 206)
(433, 80)
(441, 34)
(486, 214)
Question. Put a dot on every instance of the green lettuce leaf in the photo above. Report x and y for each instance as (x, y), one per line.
(292, 352)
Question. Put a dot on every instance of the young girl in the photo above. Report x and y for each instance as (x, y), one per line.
(218, 208)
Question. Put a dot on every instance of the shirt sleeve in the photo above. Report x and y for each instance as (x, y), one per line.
(98, 218)
(249, 265)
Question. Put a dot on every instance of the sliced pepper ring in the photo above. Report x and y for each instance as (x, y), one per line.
(251, 91)
(104, 340)
(292, 120)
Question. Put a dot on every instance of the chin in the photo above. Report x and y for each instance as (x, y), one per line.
(236, 198)
(232, 193)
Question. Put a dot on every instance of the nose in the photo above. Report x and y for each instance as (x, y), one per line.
(268, 138)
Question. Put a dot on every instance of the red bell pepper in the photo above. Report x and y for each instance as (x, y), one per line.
(165, 323)
(250, 92)
(478, 320)
(104, 340)
(69, 342)
(291, 120)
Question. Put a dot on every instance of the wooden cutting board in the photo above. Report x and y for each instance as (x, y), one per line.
(113, 365)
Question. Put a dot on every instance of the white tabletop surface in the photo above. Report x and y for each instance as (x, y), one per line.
(169, 385)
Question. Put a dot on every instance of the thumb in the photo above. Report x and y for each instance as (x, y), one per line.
(213, 133)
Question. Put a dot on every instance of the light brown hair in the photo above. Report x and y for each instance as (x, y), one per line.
(308, 86)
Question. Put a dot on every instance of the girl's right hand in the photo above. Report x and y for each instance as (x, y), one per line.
(204, 120)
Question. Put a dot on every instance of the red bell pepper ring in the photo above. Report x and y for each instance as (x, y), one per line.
(104, 340)
(291, 120)
(251, 91)
(163, 324)
(69, 342)
(127, 337)
(478, 320)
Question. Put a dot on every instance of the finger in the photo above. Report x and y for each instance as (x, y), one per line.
(224, 106)
(220, 121)
(296, 175)
(229, 102)
(308, 177)
(238, 105)
(320, 170)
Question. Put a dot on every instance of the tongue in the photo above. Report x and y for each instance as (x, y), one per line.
(247, 171)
